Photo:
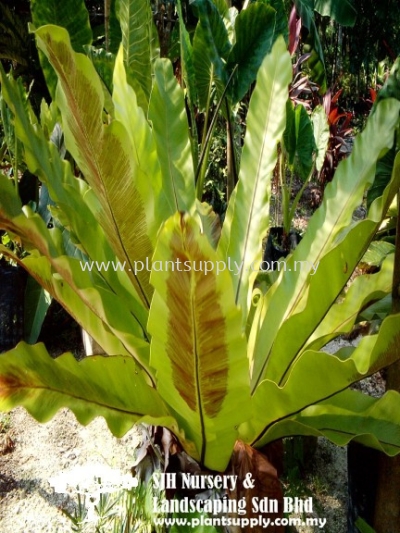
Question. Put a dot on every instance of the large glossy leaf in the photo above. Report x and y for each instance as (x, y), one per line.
(170, 128)
(211, 47)
(321, 135)
(255, 33)
(342, 315)
(126, 217)
(307, 384)
(201, 375)
(138, 41)
(329, 245)
(343, 11)
(71, 15)
(247, 220)
(349, 415)
(112, 387)
(299, 140)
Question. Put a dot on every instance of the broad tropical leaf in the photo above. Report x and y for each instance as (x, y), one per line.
(329, 245)
(191, 301)
(170, 128)
(299, 140)
(77, 203)
(347, 366)
(342, 11)
(71, 15)
(139, 43)
(211, 48)
(248, 213)
(112, 387)
(349, 415)
(321, 135)
(255, 33)
(126, 217)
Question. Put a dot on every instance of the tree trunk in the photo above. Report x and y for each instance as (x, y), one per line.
(387, 504)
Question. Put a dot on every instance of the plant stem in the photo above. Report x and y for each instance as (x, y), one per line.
(15, 163)
(232, 175)
(211, 128)
(204, 147)
(299, 194)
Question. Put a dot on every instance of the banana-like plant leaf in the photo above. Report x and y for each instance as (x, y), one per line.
(71, 15)
(113, 387)
(255, 33)
(341, 197)
(190, 301)
(125, 217)
(247, 220)
(139, 43)
(168, 115)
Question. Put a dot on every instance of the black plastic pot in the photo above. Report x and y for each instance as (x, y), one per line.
(12, 291)
(276, 248)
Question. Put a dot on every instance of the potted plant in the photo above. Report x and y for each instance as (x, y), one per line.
(218, 354)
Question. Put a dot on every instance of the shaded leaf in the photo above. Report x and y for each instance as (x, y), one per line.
(255, 33)
(37, 301)
(71, 15)
(211, 47)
